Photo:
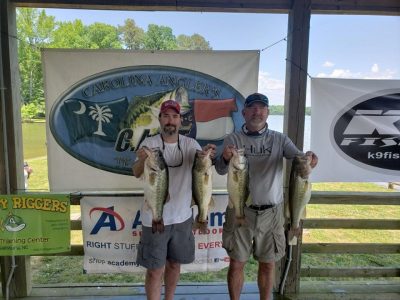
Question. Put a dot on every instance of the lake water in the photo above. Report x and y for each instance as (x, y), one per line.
(275, 122)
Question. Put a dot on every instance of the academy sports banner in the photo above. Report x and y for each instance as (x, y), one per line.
(111, 228)
(100, 105)
(355, 129)
(33, 224)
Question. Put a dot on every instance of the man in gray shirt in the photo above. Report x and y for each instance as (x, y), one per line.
(263, 235)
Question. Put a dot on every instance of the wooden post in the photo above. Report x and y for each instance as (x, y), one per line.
(11, 160)
(295, 104)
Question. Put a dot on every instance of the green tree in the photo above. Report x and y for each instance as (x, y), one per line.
(103, 36)
(193, 42)
(159, 38)
(131, 35)
(70, 35)
(34, 31)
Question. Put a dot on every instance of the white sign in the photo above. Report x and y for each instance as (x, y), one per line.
(355, 130)
(111, 229)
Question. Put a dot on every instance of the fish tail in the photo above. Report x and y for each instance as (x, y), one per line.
(293, 234)
(292, 239)
(241, 220)
(202, 226)
(157, 226)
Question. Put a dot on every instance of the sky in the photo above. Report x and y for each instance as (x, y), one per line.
(341, 46)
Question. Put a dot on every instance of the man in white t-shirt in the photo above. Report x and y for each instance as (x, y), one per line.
(163, 253)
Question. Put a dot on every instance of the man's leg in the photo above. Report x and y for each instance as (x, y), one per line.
(235, 278)
(171, 277)
(266, 279)
(153, 283)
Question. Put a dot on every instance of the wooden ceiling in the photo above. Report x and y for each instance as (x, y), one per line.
(371, 7)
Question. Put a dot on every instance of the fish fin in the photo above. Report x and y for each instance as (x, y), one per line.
(235, 177)
(146, 205)
(230, 203)
(248, 200)
(154, 111)
(304, 214)
(152, 178)
(212, 202)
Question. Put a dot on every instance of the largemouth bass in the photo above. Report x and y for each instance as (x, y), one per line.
(202, 188)
(142, 114)
(299, 194)
(238, 184)
(155, 176)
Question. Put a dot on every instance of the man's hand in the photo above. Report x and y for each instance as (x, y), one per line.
(228, 152)
(314, 158)
(138, 166)
(141, 154)
(212, 148)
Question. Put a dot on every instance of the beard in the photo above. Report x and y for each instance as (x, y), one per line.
(169, 129)
(256, 122)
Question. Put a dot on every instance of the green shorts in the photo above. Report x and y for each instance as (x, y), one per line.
(262, 235)
(175, 244)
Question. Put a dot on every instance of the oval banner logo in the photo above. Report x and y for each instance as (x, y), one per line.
(369, 132)
(103, 119)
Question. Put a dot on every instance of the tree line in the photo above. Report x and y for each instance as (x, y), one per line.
(37, 30)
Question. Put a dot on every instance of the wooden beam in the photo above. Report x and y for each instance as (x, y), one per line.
(371, 7)
(295, 105)
(350, 272)
(384, 7)
(375, 224)
(256, 6)
(11, 161)
(355, 198)
(350, 248)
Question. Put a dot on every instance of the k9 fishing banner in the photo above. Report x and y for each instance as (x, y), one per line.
(111, 229)
(100, 105)
(356, 129)
(33, 224)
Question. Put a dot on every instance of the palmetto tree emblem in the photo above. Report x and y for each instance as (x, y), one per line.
(100, 114)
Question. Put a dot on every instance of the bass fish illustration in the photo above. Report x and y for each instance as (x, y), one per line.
(12, 223)
(142, 115)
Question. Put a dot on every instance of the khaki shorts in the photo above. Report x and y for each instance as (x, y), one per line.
(175, 244)
(262, 235)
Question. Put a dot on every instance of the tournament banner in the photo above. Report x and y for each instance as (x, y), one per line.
(102, 104)
(111, 229)
(34, 224)
(355, 130)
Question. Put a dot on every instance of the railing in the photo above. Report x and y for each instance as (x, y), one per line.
(329, 198)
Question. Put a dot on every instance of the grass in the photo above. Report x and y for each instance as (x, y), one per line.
(34, 140)
(52, 269)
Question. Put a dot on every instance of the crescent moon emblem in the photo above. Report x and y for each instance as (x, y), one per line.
(82, 109)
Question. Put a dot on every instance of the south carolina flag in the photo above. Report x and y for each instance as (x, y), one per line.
(213, 118)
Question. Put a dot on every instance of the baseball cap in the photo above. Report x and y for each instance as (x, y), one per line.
(256, 97)
(170, 104)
